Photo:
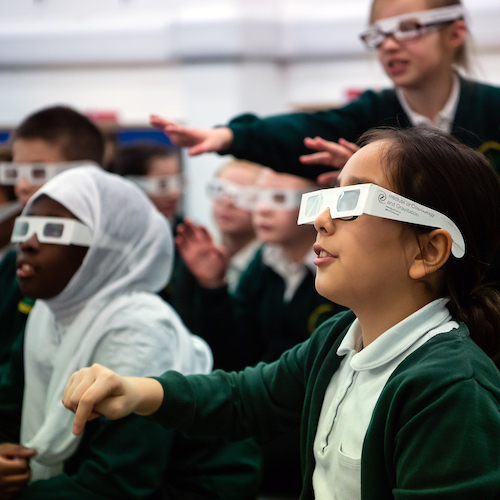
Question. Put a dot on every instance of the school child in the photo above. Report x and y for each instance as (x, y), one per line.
(232, 196)
(46, 143)
(398, 397)
(157, 170)
(420, 44)
(94, 271)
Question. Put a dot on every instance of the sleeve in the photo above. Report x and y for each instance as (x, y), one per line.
(278, 141)
(117, 460)
(230, 321)
(260, 401)
(11, 393)
(448, 447)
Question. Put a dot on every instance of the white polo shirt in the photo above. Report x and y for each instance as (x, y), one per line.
(353, 392)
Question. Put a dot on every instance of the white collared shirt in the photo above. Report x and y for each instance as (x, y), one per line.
(292, 273)
(353, 392)
(239, 262)
(444, 119)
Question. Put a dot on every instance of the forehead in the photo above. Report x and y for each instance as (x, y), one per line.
(164, 165)
(37, 151)
(390, 8)
(239, 174)
(45, 206)
(367, 165)
(270, 179)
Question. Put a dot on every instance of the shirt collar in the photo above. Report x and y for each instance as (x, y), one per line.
(241, 259)
(397, 339)
(444, 119)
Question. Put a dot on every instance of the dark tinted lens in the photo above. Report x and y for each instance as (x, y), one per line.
(11, 173)
(38, 173)
(53, 229)
(279, 198)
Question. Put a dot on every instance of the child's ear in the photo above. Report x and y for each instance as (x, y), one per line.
(435, 250)
(457, 34)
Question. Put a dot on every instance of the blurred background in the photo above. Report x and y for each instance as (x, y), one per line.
(196, 61)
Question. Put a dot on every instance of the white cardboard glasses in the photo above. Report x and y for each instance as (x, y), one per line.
(34, 173)
(55, 230)
(349, 202)
(160, 185)
(411, 25)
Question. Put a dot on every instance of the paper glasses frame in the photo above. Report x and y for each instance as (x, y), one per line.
(72, 232)
(34, 173)
(352, 201)
(427, 20)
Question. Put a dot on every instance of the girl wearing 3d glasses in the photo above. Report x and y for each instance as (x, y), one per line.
(400, 396)
(94, 270)
(420, 44)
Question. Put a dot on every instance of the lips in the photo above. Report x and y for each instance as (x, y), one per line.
(322, 253)
(25, 270)
(396, 66)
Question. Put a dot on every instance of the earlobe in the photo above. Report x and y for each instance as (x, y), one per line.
(458, 34)
(435, 250)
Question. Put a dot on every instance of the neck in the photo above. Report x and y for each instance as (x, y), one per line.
(233, 243)
(429, 98)
(380, 314)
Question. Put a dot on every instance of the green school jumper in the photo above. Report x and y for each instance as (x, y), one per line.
(278, 141)
(134, 458)
(254, 323)
(434, 432)
(14, 306)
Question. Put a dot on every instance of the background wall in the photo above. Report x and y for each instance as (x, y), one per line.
(197, 61)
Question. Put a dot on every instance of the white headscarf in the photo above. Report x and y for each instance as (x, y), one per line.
(108, 313)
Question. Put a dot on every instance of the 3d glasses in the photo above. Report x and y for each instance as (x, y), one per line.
(34, 173)
(411, 25)
(55, 230)
(160, 185)
(243, 197)
(349, 202)
(279, 199)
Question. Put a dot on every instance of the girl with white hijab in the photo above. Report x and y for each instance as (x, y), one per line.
(107, 312)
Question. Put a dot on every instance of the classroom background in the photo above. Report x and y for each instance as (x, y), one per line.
(196, 61)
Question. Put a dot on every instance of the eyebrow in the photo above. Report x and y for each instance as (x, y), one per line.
(352, 180)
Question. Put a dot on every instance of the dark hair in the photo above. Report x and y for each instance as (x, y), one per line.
(433, 168)
(134, 159)
(77, 136)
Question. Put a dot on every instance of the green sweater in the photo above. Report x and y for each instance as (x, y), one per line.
(254, 323)
(277, 141)
(14, 306)
(434, 432)
(134, 458)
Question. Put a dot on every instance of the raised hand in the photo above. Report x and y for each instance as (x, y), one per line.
(207, 261)
(95, 391)
(332, 154)
(197, 140)
(14, 468)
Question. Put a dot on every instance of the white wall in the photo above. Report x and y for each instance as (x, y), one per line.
(196, 61)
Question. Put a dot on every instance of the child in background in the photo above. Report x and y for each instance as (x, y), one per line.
(45, 143)
(274, 306)
(95, 272)
(156, 169)
(420, 44)
(400, 396)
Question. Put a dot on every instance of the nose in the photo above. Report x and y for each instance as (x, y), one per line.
(389, 43)
(23, 190)
(324, 223)
(30, 245)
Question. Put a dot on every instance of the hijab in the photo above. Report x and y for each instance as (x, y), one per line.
(108, 312)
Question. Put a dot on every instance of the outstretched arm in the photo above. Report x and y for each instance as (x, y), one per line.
(329, 153)
(95, 391)
(197, 140)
